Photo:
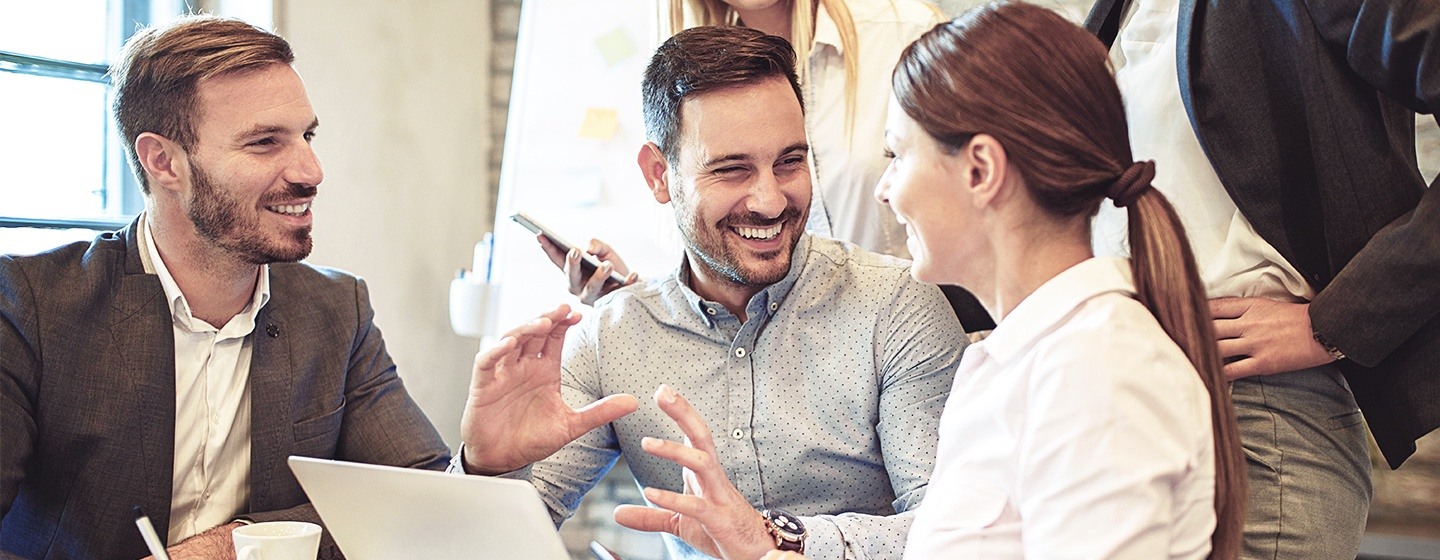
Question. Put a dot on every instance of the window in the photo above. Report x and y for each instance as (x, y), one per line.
(63, 173)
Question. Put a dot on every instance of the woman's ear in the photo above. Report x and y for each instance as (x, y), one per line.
(655, 167)
(162, 160)
(986, 169)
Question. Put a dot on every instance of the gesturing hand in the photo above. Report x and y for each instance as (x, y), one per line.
(598, 284)
(711, 515)
(515, 415)
(1268, 336)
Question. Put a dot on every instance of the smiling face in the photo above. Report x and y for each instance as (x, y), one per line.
(740, 182)
(923, 185)
(253, 174)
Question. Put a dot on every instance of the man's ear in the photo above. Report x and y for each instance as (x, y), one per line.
(986, 169)
(164, 163)
(655, 167)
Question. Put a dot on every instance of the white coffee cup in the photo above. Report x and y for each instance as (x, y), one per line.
(277, 540)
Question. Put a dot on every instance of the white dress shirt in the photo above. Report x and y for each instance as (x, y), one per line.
(848, 162)
(1234, 260)
(210, 483)
(1078, 429)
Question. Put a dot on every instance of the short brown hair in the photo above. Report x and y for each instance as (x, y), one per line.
(708, 58)
(160, 68)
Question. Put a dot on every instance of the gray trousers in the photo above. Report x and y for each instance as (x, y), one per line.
(1307, 460)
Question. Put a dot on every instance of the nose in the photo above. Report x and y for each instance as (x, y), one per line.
(882, 188)
(305, 169)
(766, 197)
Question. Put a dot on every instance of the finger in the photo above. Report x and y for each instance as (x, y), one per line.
(1231, 347)
(1241, 369)
(598, 248)
(573, 272)
(1229, 307)
(1228, 328)
(595, 286)
(486, 360)
(535, 334)
(641, 518)
(782, 555)
(602, 412)
(555, 341)
(632, 278)
(691, 424)
(688, 505)
(556, 254)
(688, 457)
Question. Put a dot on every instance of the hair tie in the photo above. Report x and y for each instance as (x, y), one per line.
(1132, 182)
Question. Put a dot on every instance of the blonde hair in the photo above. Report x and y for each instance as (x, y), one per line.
(683, 14)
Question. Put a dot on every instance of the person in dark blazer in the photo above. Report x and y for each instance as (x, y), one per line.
(1287, 129)
(176, 363)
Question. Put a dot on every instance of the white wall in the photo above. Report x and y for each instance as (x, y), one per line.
(402, 92)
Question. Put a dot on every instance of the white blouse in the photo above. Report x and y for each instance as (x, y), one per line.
(1078, 429)
(849, 162)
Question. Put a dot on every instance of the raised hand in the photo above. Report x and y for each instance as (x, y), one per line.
(710, 515)
(515, 415)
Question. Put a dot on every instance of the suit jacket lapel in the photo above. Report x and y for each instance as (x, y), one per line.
(1104, 19)
(144, 341)
(271, 384)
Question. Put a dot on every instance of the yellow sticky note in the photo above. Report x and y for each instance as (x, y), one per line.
(615, 46)
(600, 124)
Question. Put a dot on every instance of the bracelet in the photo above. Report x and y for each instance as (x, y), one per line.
(1329, 348)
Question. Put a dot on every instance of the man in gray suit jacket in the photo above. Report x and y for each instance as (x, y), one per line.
(1287, 127)
(176, 363)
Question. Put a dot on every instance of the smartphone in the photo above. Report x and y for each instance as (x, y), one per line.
(588, 263)
(601, 553)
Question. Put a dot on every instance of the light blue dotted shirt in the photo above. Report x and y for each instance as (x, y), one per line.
(825, 402)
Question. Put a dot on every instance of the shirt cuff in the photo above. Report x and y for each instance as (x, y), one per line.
(457, 466)
(823, 540)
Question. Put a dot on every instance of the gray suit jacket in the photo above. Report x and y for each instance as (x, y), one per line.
(1306, 109)
(87, 397)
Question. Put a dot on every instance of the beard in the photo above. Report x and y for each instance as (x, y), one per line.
(712, 248)
(222, 220)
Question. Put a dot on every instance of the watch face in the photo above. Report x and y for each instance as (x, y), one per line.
(788, 525)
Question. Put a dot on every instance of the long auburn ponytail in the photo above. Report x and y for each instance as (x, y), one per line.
(1043, 88)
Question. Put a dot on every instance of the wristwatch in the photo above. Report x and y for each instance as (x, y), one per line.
(1329, 348)
(787, 529)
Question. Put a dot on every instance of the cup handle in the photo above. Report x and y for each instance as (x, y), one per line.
(247, 551)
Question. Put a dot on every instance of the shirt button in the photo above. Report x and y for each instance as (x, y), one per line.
(709, 310)
(207, 496)
(215, 418)
(739, 352)
(737, 434)
(774, 305)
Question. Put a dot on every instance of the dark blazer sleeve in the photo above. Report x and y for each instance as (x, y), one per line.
(1391, 288)
(19, 371)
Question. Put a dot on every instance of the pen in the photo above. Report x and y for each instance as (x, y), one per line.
(147, 532)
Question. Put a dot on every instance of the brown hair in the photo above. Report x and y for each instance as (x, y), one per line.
(802, 33)
(1043, 88)
(708, 58)
(160, 68)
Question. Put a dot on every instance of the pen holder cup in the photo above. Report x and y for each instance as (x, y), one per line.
(472, 306)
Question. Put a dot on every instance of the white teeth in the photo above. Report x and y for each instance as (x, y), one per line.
(759, 233)
(290, 209)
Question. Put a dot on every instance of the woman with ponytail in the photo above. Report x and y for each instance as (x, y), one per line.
(1094, 422)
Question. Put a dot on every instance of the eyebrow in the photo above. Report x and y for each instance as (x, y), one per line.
(800, 146)
(263, 129)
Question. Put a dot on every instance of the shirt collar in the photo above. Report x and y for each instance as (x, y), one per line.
(180, 307)
(763, 302)
(826, 32)
(1055, 300)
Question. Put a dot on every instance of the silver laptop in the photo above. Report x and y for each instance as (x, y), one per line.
(384, 513)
